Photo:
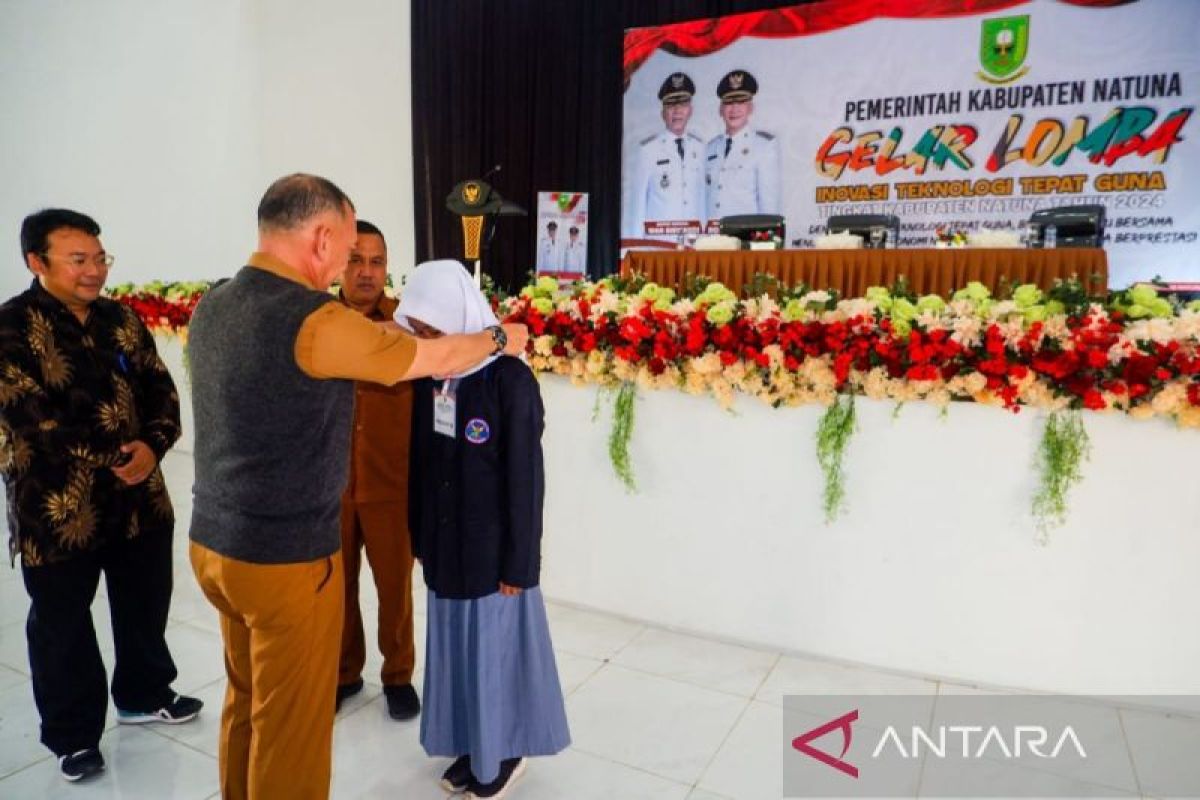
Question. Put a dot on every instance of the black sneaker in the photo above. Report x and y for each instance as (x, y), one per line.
(402, 701)
(81, 764)
(346, 691)
(457, 776)
(178, 711)
(510, 770)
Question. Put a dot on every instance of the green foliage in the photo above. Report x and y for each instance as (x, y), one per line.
(622, 284)
(600, 390)
(694, 285)
(622, 431)
(187, 364)
(795, 291)
(492, 290)
(837, 425)
(1073, 295)
(763, 283)
(903, 289)
(1064, 447)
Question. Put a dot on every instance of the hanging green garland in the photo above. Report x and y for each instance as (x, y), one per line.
(1064, 447)
(833, 434)
(622, 430)
(600, 390)
(187, 364)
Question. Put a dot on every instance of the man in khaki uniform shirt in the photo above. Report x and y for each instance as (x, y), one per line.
(273, 359)
(375, 505)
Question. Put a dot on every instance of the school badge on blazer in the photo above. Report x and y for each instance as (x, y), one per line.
(477, 431)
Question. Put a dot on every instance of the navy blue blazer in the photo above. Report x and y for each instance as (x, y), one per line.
(475, 500)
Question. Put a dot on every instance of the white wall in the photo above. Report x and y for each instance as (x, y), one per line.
(166, 120)
(335, 98)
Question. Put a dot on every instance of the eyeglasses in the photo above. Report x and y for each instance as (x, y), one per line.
(79, 260)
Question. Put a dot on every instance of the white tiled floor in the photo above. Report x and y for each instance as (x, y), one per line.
(654, 714)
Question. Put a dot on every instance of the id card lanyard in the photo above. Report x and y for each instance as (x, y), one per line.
(444, 407)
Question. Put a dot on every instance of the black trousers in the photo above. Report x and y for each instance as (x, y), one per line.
(64, 657)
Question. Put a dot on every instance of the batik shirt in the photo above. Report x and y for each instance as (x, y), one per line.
(71, 394)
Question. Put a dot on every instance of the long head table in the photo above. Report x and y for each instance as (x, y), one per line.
(851, 272)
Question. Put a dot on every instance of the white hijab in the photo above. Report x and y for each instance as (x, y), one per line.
(441, 294)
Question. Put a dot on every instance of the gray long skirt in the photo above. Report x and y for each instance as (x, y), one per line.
(491, 684)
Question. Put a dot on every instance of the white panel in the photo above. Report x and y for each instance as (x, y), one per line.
(934, 569)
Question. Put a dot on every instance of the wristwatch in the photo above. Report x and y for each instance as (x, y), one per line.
(499, 337)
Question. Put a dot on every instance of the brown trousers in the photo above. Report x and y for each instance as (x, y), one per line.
(382, 530)
(281, 625)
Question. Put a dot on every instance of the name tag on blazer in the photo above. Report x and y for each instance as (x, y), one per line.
(443, 412)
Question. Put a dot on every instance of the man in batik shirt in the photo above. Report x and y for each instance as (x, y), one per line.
(87, 411)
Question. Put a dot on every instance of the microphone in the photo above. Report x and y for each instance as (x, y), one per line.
(491, 172)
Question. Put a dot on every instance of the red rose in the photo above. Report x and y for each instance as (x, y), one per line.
(1097, 359)
(1008, 394)
(633, 330)
(922, 372)
(1094, 400)
(993, 341)
(841, 367)
(724, 337)
(626, 353)
(1138, 368)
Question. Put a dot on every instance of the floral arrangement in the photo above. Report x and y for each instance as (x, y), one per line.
(165, 308)
(772, 237)
(1135, 352)
(944, 237)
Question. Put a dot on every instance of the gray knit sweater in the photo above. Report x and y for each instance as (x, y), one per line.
(272, 443)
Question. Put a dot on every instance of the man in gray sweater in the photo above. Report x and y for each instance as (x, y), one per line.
(273, 359)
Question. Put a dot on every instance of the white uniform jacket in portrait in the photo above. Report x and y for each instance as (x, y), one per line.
(550, 255)
(668, 181)
(741, 174)
(576, 258)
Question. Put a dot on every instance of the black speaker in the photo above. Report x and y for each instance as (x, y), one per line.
(744, 226)
(1075, 226)
(861, 225)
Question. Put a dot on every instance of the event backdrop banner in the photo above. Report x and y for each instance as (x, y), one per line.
(562, 230)
(955, 114)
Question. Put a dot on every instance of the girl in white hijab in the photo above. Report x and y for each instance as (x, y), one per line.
(492, 695)
(443, 299)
